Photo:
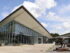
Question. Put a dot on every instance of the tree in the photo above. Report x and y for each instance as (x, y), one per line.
(54, 34)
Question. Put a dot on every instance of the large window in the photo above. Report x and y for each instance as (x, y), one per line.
(14, 32)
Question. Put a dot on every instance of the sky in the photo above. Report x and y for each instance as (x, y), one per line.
(54, 15)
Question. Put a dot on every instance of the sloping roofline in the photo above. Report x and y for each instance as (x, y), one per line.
(65, 34)
(29, 14)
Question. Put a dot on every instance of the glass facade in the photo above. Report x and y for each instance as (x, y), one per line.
(14, 32)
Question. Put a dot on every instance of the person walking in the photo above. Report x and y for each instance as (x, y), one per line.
(65, 41)
(61, 42)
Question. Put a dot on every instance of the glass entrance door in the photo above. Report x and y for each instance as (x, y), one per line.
(40, 40)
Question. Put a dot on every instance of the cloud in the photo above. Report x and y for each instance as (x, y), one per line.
(66, 31)
(54, 17)
(46, 3)
(58, 27)
(39, 6)
(16, 7)
(32, 7)
(4, 14)
(61, 28)
(63, 25)
(64, 9)
(44, 24)
(66, 24)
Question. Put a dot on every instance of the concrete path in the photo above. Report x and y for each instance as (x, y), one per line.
(38, 48)
(42, 48)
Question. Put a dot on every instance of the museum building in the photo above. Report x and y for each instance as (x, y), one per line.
(22, 27)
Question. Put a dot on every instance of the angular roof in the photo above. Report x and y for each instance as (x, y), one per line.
(23, 16)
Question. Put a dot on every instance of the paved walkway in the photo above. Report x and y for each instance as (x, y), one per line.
(42, 48)
(38, 48)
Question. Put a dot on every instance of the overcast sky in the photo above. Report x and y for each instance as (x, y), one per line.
(54, 15)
